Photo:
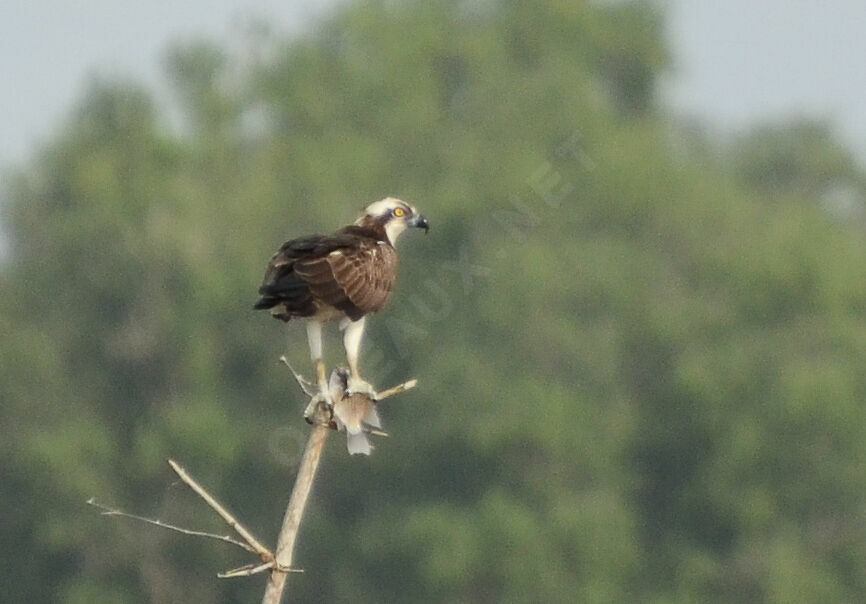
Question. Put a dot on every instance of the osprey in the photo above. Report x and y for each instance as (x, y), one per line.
(340, 277)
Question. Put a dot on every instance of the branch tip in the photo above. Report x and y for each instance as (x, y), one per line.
(306, 385)
(399, 388)
(104, 510)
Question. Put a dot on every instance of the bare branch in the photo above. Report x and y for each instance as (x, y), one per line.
(306, 385)
(295, 511)
(246, 570)
(253, 569)
(304, 481)
(254, 543)
(107, 511)
(397, 389)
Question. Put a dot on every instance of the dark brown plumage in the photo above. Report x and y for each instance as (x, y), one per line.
(352, 271)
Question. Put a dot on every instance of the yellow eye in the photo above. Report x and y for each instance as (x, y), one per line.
(399, 212)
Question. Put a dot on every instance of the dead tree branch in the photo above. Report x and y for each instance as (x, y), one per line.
(303, 484)
(279, 564)
(295, 511)
(109, 511)
(249, 543)
(257, 547)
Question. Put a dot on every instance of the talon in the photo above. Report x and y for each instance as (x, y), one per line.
(358, 386)
(320, 409)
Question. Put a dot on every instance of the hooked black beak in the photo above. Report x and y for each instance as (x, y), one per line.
(420, 222)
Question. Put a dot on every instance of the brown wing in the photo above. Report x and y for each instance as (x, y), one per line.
(357, 279)
(352, 270)
(283, 291)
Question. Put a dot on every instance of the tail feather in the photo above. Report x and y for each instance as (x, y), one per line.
(265, 302)
(358, 443)
(372, 418)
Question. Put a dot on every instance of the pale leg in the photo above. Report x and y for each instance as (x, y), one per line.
(314, 338)
(352, 334)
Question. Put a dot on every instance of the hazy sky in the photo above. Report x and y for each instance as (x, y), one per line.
(736, 61)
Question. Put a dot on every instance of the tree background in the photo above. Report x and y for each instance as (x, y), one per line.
(640, 348)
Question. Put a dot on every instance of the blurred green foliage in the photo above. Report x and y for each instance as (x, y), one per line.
(641, 354)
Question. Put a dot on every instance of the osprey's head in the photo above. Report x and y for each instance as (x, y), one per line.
(394, 215)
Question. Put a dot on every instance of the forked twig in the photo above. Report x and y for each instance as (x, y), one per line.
(109, 511)
(309, 388)
(249, 543)
(254, 543)
(252, 569)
